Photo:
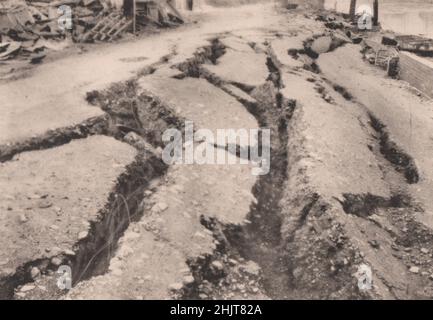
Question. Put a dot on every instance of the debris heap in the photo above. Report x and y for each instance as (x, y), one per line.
(27, 28)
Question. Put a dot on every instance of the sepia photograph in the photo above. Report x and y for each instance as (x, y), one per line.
(218, 155)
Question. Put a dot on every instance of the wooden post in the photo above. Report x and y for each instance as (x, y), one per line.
(134, 13)
(352, 10)
(376, 12)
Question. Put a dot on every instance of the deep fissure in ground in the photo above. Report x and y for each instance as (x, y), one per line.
(135, 119)
(260, 239)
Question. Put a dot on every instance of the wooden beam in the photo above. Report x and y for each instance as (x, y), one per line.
(376, 12)
(134, 16)
(352, 10)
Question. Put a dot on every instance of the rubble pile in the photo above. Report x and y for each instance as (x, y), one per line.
(162, 14)
(147, 12)
(27, 28)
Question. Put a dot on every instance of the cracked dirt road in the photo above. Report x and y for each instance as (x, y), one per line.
(132, 227)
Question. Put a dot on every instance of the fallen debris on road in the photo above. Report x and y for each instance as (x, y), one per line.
(28, 28)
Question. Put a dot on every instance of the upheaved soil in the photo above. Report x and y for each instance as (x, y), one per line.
(51, 202)
(347, 186)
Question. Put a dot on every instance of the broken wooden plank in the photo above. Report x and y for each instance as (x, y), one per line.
(121, 29)
(97, 27)
(113, 29)
(10, 51)
(109, 24)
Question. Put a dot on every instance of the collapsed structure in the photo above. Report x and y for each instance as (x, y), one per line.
(29, 27)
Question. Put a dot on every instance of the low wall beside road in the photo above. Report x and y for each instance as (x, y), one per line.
(417, 71)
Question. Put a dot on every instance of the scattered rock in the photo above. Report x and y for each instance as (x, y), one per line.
(251, 268)
(35, 272)
(69, 252)
(395, 247)
(56, 261)
(187, 280)
(374, 244)
(27, 287)
(199, 235)
(218, 265)
(176, 286)
(125, 251)
(82, 235)
(159, 207)
(23, 218)
(203, 296)
(233, 262)
(414, 269)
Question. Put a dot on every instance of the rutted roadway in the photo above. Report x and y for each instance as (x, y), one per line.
(171, 249)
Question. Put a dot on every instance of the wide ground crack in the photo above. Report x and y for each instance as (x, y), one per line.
(134, 118)
(57, 137)
(401, 161)
(258, 240)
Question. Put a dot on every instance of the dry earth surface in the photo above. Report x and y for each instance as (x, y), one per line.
(83, 183)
